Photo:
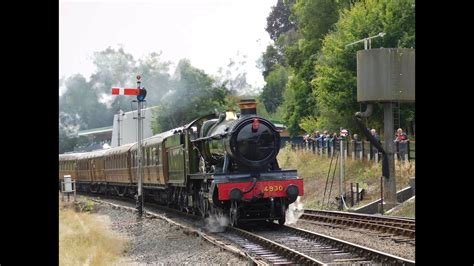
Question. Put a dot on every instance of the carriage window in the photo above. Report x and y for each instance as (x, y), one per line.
(148, 156)
(152, 156)
(144, 157)
(158, 154)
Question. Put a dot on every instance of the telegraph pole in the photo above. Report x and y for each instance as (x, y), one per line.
(141, 94)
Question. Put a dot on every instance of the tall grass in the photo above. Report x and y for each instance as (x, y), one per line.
(314, 169)
(85, 239)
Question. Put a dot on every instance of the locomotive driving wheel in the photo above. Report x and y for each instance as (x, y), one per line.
(234, 213)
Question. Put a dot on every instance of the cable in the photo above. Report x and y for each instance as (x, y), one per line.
(333, 175)
(327, 178)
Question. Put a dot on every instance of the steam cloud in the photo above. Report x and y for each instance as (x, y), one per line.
(216, 223)
(294, 211)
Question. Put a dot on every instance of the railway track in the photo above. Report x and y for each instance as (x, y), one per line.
(275, 244)
(305, 247)
(391, 225)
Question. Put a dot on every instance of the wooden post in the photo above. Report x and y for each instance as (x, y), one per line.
(358, 194)
(352, 196)
(74, 185)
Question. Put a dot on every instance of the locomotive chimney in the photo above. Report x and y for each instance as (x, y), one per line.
(248, 107)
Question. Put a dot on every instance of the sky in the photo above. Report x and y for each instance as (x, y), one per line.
(208, 32)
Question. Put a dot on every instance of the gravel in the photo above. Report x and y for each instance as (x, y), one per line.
(154, 241)
(365, 238)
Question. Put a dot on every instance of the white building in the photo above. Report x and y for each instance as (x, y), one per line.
(125, 127)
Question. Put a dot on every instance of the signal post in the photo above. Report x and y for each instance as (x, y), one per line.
(141, 94)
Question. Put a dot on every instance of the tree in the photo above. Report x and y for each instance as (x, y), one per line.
(278, 21)
(270, 58)
(155, 75)
(335, 86)
(81, 102)
(68, 126)
(313, 19)
(272, 94)
(114, 68)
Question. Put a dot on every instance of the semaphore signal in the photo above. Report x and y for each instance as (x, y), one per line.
(141, 94)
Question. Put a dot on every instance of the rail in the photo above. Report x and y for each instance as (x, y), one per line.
(393, 225)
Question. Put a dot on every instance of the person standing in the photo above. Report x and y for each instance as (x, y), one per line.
(374, 150)
(401, 141)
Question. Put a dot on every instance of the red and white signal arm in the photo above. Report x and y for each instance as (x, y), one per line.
(344, 133)
(125, 91)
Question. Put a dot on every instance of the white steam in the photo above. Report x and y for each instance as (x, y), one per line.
(216, 223)
(294, 212)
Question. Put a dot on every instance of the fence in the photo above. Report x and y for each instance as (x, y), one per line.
(357, 150)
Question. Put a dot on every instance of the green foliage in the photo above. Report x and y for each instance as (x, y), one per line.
(272, 94)
(85, 205)
(81, 103)
(314, 19)
(271, 58)
(322, 90)
(278, 22)
(335, 86)
(309, 124)
(88, 104)
(298, 103)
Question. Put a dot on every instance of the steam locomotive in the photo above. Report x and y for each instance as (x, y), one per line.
(222, 163)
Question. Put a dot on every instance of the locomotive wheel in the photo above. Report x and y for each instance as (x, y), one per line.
(234, 213)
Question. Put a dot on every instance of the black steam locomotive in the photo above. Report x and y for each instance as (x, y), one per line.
(224, 163)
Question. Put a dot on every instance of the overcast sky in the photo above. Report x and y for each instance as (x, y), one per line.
(208, 32)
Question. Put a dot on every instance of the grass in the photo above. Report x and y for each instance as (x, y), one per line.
(406, 209)
(314, 169)
(85, 239)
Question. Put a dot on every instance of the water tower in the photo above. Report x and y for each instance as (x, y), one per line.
(387, 76)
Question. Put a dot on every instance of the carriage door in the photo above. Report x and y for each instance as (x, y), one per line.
(92, 170)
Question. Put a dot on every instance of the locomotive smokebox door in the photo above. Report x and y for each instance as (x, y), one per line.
(67, 183)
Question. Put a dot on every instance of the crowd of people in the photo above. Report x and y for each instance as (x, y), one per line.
(330, 141)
